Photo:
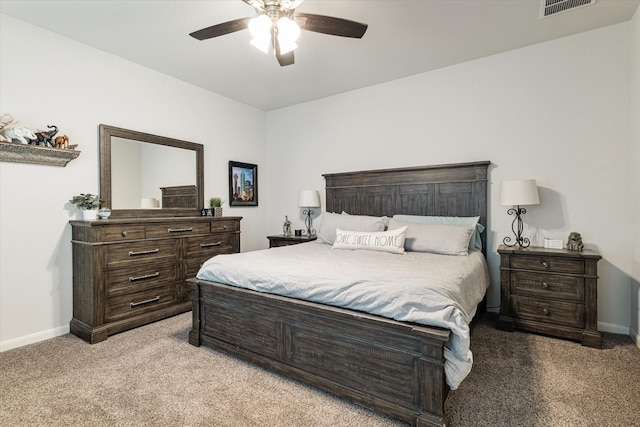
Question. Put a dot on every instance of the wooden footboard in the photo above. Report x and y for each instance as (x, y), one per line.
(391, 367)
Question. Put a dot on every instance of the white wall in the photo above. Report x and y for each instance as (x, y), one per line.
(635, 166)
(557, 112)
(47, 79)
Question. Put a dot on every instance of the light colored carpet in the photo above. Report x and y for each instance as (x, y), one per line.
(151, 376)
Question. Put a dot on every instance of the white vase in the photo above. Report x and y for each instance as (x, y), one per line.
(89, 214)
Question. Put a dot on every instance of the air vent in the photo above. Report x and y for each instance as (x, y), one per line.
(553, 7)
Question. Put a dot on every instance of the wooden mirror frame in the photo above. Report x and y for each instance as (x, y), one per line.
(106, 132)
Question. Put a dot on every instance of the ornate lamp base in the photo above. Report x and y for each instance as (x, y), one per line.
(517, 226)
(307, 222)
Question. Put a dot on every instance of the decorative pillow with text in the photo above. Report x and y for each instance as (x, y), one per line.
(332, 221)
(382, 241)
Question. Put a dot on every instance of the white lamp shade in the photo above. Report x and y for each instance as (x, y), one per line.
(519, 193)
(309, 199)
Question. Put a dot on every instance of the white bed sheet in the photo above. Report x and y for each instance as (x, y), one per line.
(425, 288)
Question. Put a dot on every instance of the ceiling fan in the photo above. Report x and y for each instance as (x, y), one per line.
(278, 27)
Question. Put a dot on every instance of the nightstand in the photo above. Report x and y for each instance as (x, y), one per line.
(282, 240)
(550, 291)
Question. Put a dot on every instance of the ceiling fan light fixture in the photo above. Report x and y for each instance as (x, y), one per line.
(277, 25)
(260, 29)
(288, 33)
(261, 43)
(286, 46)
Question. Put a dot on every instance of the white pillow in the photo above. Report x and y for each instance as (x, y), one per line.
(331, 221)
(435, 238)
(463, 221)
(383, 241)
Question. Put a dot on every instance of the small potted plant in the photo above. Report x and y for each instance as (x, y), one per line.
(215, 203)
(88, 204)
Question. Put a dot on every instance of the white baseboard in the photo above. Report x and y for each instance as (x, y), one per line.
(33, 338)
(63, 330)
(635, 336)
(613, 328)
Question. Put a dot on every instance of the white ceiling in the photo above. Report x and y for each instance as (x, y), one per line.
(404, 37)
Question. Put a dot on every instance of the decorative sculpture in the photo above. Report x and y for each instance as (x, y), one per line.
(574, 243)
(6, 120)
(286, 227)
(62, 141)
(45, 137)
(21, 135)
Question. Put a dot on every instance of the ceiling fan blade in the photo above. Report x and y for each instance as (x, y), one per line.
(221, 29)
(283, 59)
(330, 25)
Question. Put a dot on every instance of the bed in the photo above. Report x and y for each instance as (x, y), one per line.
(396, 366)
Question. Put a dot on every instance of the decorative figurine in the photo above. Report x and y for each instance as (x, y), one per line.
(62, 141)
(6, 120)
(21, 135)
(574, 243)
(45, 137)
(286, 227)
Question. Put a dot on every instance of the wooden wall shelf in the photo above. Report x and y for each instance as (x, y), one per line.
(35, 154)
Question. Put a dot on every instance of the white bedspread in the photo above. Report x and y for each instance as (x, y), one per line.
(425, 288)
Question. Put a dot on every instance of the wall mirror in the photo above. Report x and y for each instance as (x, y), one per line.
(145, 175)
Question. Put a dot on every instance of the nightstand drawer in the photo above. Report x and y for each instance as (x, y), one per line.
(548, 285)
(548, 264)
(554, 312)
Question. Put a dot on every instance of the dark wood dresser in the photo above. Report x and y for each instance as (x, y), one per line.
(550, 291)
(130, 272)
(282, 240)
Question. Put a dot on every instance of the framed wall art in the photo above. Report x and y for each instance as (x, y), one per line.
(243, 184)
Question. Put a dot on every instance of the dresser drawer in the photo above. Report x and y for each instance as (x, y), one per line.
(116, 233)
(123, 306)
(135, 252)
(550, 264)
(141, 277)
(553, 312)
(211, 245)
(177, 229)
(225, 225)
(548, 285)
(192, 265)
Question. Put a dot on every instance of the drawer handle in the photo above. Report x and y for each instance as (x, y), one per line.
(545, 285)
(124, 234)
(180, 230)
(208, 245)
(545, 264)
(147, 301)
(153, 251)
(224, 226)
(546, 312)
(146, 276)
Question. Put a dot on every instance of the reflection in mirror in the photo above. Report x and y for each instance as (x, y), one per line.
(145, 175)
(144, 169)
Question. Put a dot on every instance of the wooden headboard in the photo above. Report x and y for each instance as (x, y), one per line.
(458, 189)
